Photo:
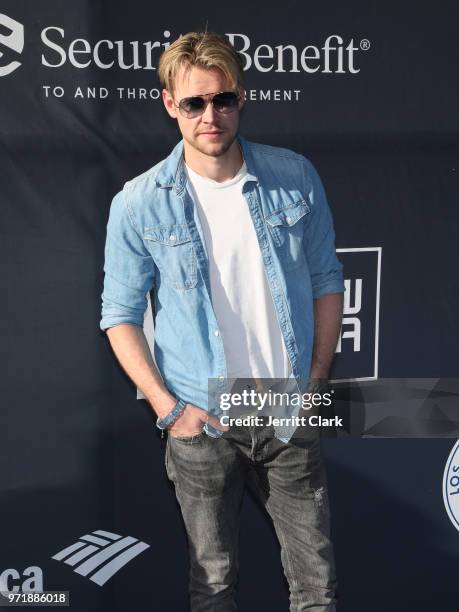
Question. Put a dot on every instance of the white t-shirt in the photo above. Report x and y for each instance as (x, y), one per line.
(242, 301)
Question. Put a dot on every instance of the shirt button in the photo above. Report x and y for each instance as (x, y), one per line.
(221, 377)
(172, 237)
(288, 219)
(216, 332)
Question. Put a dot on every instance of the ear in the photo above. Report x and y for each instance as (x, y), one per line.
(169, 103)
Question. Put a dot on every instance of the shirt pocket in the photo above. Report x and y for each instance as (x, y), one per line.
(173, 253)
(286, 227)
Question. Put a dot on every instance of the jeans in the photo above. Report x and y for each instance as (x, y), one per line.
(210, 474)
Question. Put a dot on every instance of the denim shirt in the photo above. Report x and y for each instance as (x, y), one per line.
(155, 242)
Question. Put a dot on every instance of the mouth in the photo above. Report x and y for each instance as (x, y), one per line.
(214, 133)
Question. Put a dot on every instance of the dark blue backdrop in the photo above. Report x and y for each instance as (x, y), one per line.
(79, 452)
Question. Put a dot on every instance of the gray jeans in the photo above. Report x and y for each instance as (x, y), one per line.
(209, 475)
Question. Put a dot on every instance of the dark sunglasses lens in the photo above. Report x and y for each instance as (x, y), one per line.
(192, 105)
(225, 102)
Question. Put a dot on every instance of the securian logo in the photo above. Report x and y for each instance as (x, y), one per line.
(13, 39)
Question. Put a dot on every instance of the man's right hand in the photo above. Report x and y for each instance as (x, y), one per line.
(192, 420)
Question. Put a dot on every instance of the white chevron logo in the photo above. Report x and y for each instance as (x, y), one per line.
(101, 552)
(12, 39)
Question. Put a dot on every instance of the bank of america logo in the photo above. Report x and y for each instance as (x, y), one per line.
(101, 552)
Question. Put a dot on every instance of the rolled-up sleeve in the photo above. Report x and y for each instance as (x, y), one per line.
(319, 238)
(128, 267)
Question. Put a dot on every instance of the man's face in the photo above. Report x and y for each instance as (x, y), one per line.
(195, 131)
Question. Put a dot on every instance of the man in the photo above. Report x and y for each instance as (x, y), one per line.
(236, 241)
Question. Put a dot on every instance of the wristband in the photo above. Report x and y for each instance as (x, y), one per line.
(171, 416)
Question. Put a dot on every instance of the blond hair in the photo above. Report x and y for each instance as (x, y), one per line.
(202, 49)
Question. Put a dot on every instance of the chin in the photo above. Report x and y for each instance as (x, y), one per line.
(215, 149)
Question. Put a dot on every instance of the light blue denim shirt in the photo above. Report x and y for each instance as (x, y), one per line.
(155, 242)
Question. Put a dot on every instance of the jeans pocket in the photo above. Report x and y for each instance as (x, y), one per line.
(196, 438)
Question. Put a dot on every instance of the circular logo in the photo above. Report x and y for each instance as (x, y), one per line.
(451, 485)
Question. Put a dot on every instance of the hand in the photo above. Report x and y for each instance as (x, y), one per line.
(192, 420)
(318, 384)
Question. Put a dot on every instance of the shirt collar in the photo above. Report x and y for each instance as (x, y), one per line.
(172, 172)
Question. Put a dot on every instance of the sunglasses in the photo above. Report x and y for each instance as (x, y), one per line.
(223, 102)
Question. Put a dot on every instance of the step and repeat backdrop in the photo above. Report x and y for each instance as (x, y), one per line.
(369, 93)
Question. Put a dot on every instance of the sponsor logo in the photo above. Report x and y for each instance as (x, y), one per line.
(13, 39)
(451, 485)
(358, 345)
(27, 581)
(335, 54)
(100, 554)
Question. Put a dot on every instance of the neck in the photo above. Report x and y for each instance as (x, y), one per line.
(221, 168)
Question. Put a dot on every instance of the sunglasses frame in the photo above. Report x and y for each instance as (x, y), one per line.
(208, 97)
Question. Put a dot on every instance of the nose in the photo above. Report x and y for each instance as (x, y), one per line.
(209, 115)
